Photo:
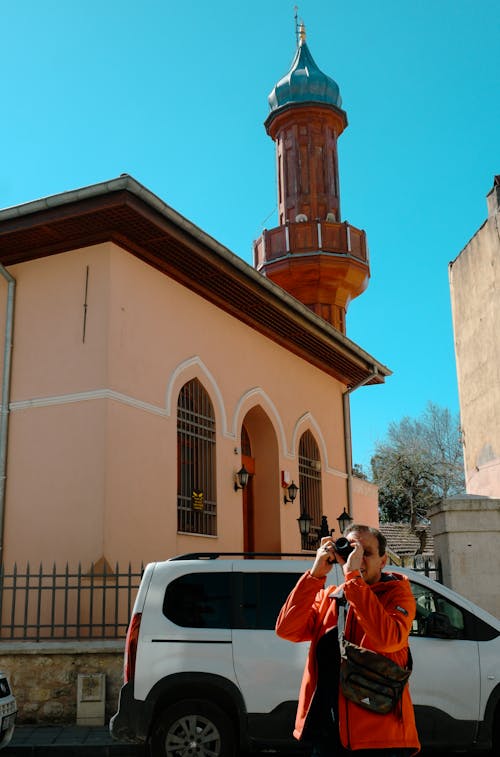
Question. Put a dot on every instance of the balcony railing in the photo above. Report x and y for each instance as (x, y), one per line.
(310, 237)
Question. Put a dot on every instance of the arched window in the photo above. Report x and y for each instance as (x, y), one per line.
(196, 482)
(310, 486)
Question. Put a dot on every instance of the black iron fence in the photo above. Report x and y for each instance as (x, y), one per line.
(78, 604)
(425, 564)
(36, 605)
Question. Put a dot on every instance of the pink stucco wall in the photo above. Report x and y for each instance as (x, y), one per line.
(365, 494)
(92, 460)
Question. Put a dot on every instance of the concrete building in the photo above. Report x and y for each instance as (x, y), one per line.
(475, 297)
(145, 365)
(467, 526)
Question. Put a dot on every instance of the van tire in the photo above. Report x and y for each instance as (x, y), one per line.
(193, 727)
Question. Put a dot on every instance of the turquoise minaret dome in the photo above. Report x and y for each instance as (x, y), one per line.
(304, 82)
(312, 254)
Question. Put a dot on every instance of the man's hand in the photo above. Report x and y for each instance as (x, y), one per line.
(325, 557)
(355, 559)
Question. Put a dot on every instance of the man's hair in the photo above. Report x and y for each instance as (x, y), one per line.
(382, 541)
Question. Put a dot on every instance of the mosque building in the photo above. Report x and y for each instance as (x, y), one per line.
(162, 396)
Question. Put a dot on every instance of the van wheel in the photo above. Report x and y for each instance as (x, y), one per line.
(193, 727)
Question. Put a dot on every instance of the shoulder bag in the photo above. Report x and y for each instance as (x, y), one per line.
(369, 679)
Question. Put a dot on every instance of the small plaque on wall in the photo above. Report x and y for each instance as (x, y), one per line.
(197, 500)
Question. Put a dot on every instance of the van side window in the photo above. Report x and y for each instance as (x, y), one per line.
(227, 600)
(263, 595)
(436, 616)
(199, 600)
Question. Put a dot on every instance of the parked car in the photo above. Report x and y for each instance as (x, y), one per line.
(8, 711)
(204, 667)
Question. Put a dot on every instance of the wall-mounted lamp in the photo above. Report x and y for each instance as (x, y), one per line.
(304, 522)
(292, 493)
(344, 520)
(241, 478)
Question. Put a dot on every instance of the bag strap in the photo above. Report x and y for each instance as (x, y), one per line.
(341, 614)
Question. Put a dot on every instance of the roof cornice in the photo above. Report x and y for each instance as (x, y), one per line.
(124, 211)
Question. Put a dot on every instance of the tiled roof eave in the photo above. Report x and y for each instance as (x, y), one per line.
(124, 211)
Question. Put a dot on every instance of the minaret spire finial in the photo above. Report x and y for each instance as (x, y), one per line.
(300, 28)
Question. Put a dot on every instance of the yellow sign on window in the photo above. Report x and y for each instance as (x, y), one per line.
(197, 501)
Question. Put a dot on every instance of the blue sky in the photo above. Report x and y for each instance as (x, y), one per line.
(175, 94)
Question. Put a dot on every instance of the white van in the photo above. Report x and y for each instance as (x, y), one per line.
(205, 670)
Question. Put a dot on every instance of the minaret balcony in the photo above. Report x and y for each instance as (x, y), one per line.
(310, 237)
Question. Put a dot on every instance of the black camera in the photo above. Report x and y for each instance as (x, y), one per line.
(343, 547)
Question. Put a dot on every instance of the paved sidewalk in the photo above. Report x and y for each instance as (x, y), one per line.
(68, 741)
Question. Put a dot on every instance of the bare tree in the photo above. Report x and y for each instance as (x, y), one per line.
(419, 464)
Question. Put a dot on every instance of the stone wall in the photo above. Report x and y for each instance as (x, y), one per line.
(466, 533)
(44, 676)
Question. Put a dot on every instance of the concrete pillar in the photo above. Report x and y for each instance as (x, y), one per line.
(466, 531)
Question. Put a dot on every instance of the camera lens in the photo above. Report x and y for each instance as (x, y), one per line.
(343, 547)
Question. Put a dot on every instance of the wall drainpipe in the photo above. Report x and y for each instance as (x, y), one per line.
(347, 433)
(4, 414)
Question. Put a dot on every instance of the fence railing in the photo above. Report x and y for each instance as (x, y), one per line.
(36, 605)
(428, 566)
(420, 563)
(96, 604)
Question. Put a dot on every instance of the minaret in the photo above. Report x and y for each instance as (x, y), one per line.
(312, 254)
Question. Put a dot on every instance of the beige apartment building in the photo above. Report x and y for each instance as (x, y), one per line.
(475, 297)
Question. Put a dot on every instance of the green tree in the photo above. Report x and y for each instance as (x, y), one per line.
(358, 471)
(418, 464)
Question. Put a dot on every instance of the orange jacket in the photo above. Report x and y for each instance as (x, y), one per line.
(380, 618)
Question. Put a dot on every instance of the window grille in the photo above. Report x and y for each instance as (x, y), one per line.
(196, 485)
(310, 487)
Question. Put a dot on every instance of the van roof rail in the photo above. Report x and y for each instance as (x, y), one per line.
(216, 555)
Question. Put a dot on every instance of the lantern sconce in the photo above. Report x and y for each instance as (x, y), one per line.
(305, 522)
(241, 478)
(344, 520)
(292, 493)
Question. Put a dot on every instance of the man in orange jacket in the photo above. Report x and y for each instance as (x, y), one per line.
(381, 611)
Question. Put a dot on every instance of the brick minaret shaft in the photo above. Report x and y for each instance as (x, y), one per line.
(320, 260)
